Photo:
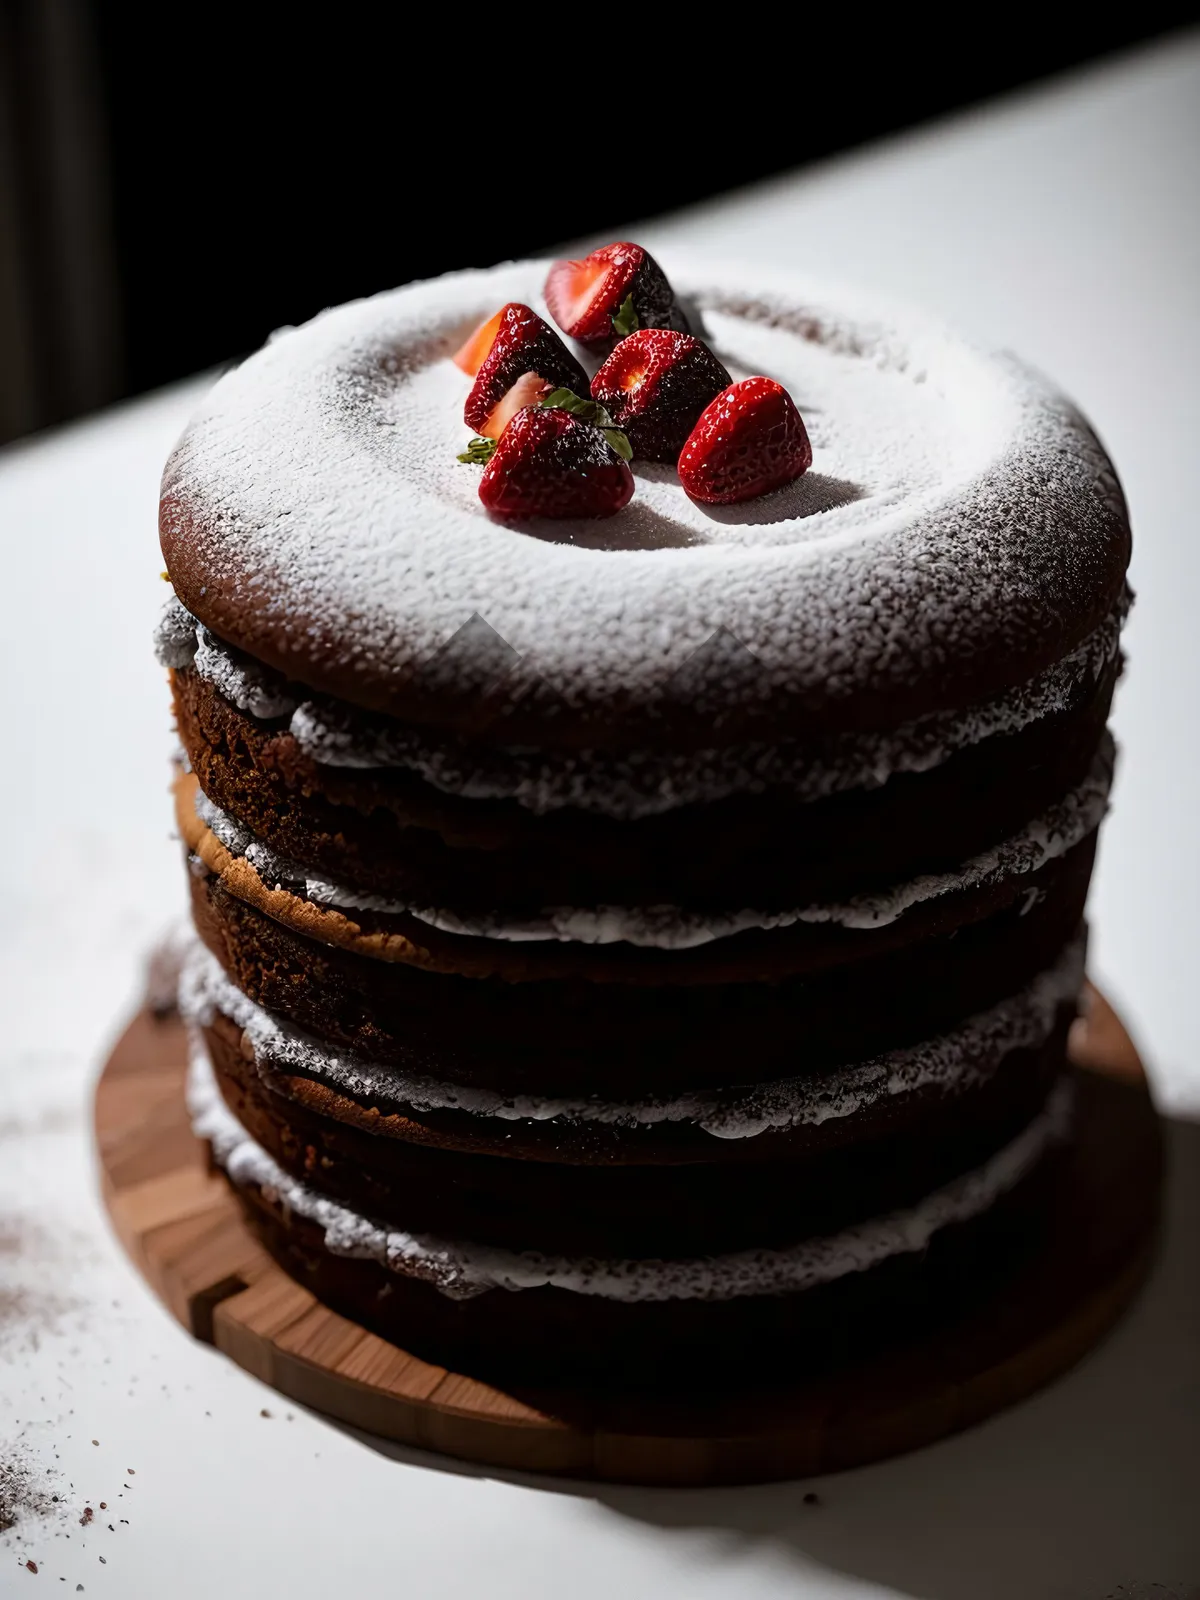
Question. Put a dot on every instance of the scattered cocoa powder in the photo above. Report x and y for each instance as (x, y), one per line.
(28, 1310)
(27, 1489)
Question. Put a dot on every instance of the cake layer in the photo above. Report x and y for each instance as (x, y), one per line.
(464, 1269)
(763, 1164)
(387, 832)
(961, 532)
(649, 1124)
(631, 784)
(362, 989)
(563, 940)
(643, 1318)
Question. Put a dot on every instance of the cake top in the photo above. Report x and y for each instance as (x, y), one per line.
(960, 530)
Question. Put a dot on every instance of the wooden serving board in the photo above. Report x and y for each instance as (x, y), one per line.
(185, 1232)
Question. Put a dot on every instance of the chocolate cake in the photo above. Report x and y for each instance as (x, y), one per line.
(627, 941)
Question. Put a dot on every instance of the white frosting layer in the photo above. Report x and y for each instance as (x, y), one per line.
(967, 1055)
(462, 1270)
(1047, 837)
(637, 783)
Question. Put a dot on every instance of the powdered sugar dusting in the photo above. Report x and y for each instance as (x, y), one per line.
(462, 1270)
(1047, 837)
(638, 782)
(247, 685)
(960, 529)
(177, 637)
(965, 1056)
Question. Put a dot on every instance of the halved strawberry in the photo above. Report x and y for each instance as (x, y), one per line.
(523, 347)
(527, 391)
(471, 354)
(748, 441)
(654, 385)
(552, 463)
(620, 281)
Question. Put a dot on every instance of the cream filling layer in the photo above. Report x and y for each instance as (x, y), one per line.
(461, 1270)
(1057, 830)
(959, 1059)
(634, 783)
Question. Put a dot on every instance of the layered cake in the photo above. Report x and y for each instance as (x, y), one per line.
(638, 836)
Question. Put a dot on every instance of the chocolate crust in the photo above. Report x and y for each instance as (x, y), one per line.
(388, 833)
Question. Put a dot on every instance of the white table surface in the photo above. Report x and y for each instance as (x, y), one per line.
(1063, 224)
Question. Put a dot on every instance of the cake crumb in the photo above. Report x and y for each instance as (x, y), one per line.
(812, 1498)
(31, 1566)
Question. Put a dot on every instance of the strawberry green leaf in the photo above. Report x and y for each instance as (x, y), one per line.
(479, 452)
(625, 321)
(588, 411)
(565, 400)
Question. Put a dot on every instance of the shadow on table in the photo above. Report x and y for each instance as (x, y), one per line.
(1090, 1485)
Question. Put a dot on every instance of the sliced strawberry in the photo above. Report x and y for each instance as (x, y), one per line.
(748, 441)
(527, 391)
(522, 345)
(584, 296)
(654, 385)
(551, 463)
(470, 355)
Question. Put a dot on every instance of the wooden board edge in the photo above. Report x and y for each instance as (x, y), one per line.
(214, 1310)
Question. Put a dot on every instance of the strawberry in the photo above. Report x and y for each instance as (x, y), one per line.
(748, 441)
(654, 385)
(529, 388)
(470, 355)
(610, 293)
(522, 348)
(551, 462)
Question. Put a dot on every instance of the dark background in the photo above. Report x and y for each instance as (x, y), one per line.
(176, 188)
